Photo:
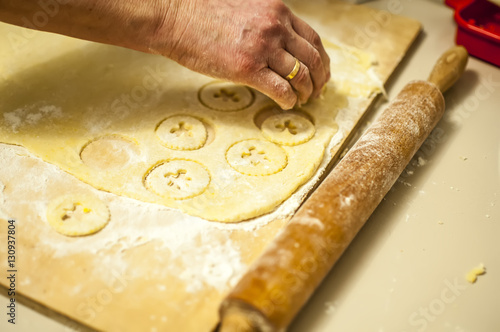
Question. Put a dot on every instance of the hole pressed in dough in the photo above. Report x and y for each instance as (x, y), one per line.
(286, 125)
(75, 211)
(225, 96)
(111, 152)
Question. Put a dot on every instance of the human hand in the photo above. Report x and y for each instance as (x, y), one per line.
(249, 42)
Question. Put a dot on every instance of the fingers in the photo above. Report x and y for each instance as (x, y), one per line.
(275, 87)
(307, 50)
(283, 63)
(311, 57)
(304, 44)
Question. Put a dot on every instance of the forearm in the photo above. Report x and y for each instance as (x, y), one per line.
(254, 42)
(128, 23)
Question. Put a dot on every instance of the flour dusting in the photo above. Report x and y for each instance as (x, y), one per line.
(30, 115)
(206, 258)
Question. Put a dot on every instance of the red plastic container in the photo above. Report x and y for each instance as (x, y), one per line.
(478, 28)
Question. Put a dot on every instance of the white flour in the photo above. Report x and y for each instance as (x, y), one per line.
(206, 254)
(30, 115)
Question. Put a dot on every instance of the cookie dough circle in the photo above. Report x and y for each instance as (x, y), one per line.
(77, 215)
(177, 179)
(109, 153)
(256, 157)
(225, 96)
(287, 129)
(182, 132)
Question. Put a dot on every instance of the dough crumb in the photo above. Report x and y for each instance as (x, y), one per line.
(421, 161)
(440, 222)
(475, 272)
(330, 308)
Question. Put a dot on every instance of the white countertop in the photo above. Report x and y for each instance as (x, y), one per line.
(405, 271)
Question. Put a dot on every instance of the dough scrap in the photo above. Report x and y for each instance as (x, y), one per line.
(354, 71)
(475, 272)
(177, 179)
(77, 215)
(225, 96)
(182, 132)
(256, 157)
(287, 129)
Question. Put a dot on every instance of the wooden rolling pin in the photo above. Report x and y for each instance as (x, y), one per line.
(274, 289)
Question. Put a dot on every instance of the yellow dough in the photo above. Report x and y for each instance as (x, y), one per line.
(177, 179)
(77, 215)
(142, 126)
(182, 132)
(225, 96)
(354, 78)
(109, 152)
(287, 129)
(475, 272)
(256, 157)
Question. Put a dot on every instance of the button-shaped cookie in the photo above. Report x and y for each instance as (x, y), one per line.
(256, 157)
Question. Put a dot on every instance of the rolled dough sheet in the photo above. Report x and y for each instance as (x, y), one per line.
(144, 127)
(153, 266)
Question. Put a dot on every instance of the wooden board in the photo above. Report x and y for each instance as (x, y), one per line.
(147, 270)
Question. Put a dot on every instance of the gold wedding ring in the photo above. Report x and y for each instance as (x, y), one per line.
(294, 71)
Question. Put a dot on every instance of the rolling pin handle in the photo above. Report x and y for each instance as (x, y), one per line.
(236, 322)
(449, 68)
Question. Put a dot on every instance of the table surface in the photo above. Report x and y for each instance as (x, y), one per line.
(405, 271)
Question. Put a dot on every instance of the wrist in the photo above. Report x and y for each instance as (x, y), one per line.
(144, 26)
(165, 26)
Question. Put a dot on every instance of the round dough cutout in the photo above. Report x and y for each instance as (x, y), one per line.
(109, 153)
(177, 179)
(287, 129)
(256, 157)
(225, 96)
(77, 215)
(182, 132)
